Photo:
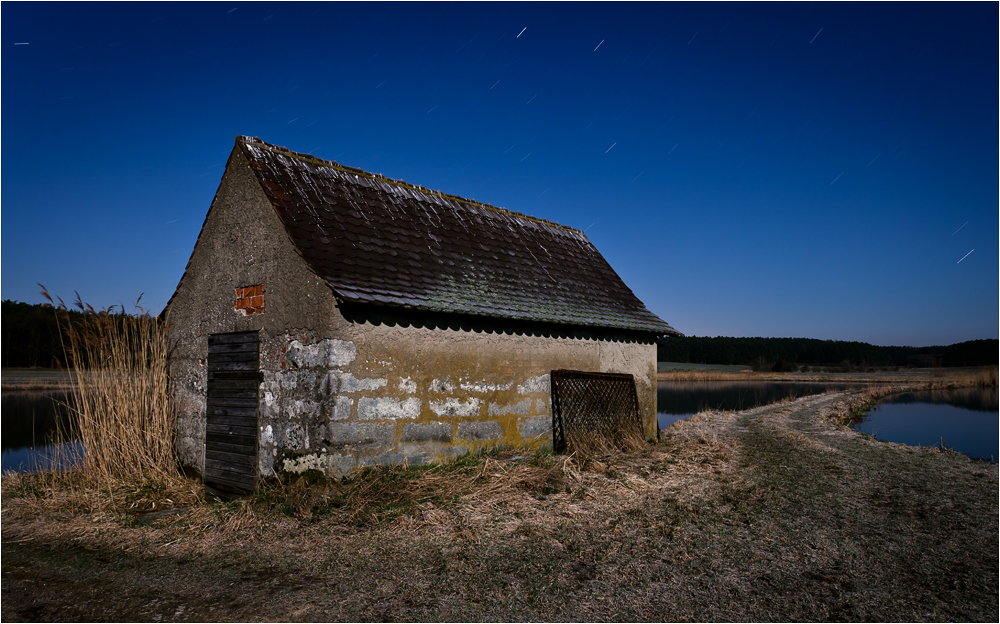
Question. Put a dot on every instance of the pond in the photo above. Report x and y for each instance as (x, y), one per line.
(964, 419)
(29, 421)
(677, 400)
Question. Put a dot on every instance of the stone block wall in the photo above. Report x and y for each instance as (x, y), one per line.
(414, 393)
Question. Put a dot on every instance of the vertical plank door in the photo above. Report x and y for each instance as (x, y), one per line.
(231, 414)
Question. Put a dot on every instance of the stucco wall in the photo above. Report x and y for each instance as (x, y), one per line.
(339, 393)
(242, 243)
(380, 393)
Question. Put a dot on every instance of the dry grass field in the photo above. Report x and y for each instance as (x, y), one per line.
(776, 513)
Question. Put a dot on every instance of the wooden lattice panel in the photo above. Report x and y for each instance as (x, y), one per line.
(594, 409)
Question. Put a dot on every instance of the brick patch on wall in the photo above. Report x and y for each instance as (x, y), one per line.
(250, 300)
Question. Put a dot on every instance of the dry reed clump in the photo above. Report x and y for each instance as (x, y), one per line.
(123, 416)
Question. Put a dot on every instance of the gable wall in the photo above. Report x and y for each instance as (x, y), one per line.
(242, 243)
(337, 394)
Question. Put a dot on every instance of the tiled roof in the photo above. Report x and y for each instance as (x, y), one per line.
(385, 242)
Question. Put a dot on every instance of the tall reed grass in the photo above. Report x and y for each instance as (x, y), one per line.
(123, 415)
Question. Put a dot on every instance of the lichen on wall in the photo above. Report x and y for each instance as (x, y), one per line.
(535, 384)
(328, 352)
(452, 407)
(388, 408)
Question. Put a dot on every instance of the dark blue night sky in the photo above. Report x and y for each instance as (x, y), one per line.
(807, 170)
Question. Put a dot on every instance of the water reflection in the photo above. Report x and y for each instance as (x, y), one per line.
(975, 399)
(965, 419)
(44, 457)
(30, 421)
(677, 400)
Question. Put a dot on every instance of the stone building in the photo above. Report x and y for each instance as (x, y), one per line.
(330, 318)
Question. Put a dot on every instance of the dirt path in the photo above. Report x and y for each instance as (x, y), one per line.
(767, 514)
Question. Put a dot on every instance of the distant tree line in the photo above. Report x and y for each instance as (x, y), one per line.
(33, 337)
(971, 353)
(30, 335)
(777, 353)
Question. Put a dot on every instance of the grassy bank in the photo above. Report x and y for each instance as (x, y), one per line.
(776, 513)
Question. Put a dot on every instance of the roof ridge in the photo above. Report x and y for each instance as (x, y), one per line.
(322, 162)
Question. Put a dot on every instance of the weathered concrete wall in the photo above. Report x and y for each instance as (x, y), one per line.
(339, 393)
(380, 393)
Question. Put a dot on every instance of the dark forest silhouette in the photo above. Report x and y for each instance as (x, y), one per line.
(783, 353)
(31, 335)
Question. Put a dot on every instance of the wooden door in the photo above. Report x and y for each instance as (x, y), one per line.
(231, 414)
